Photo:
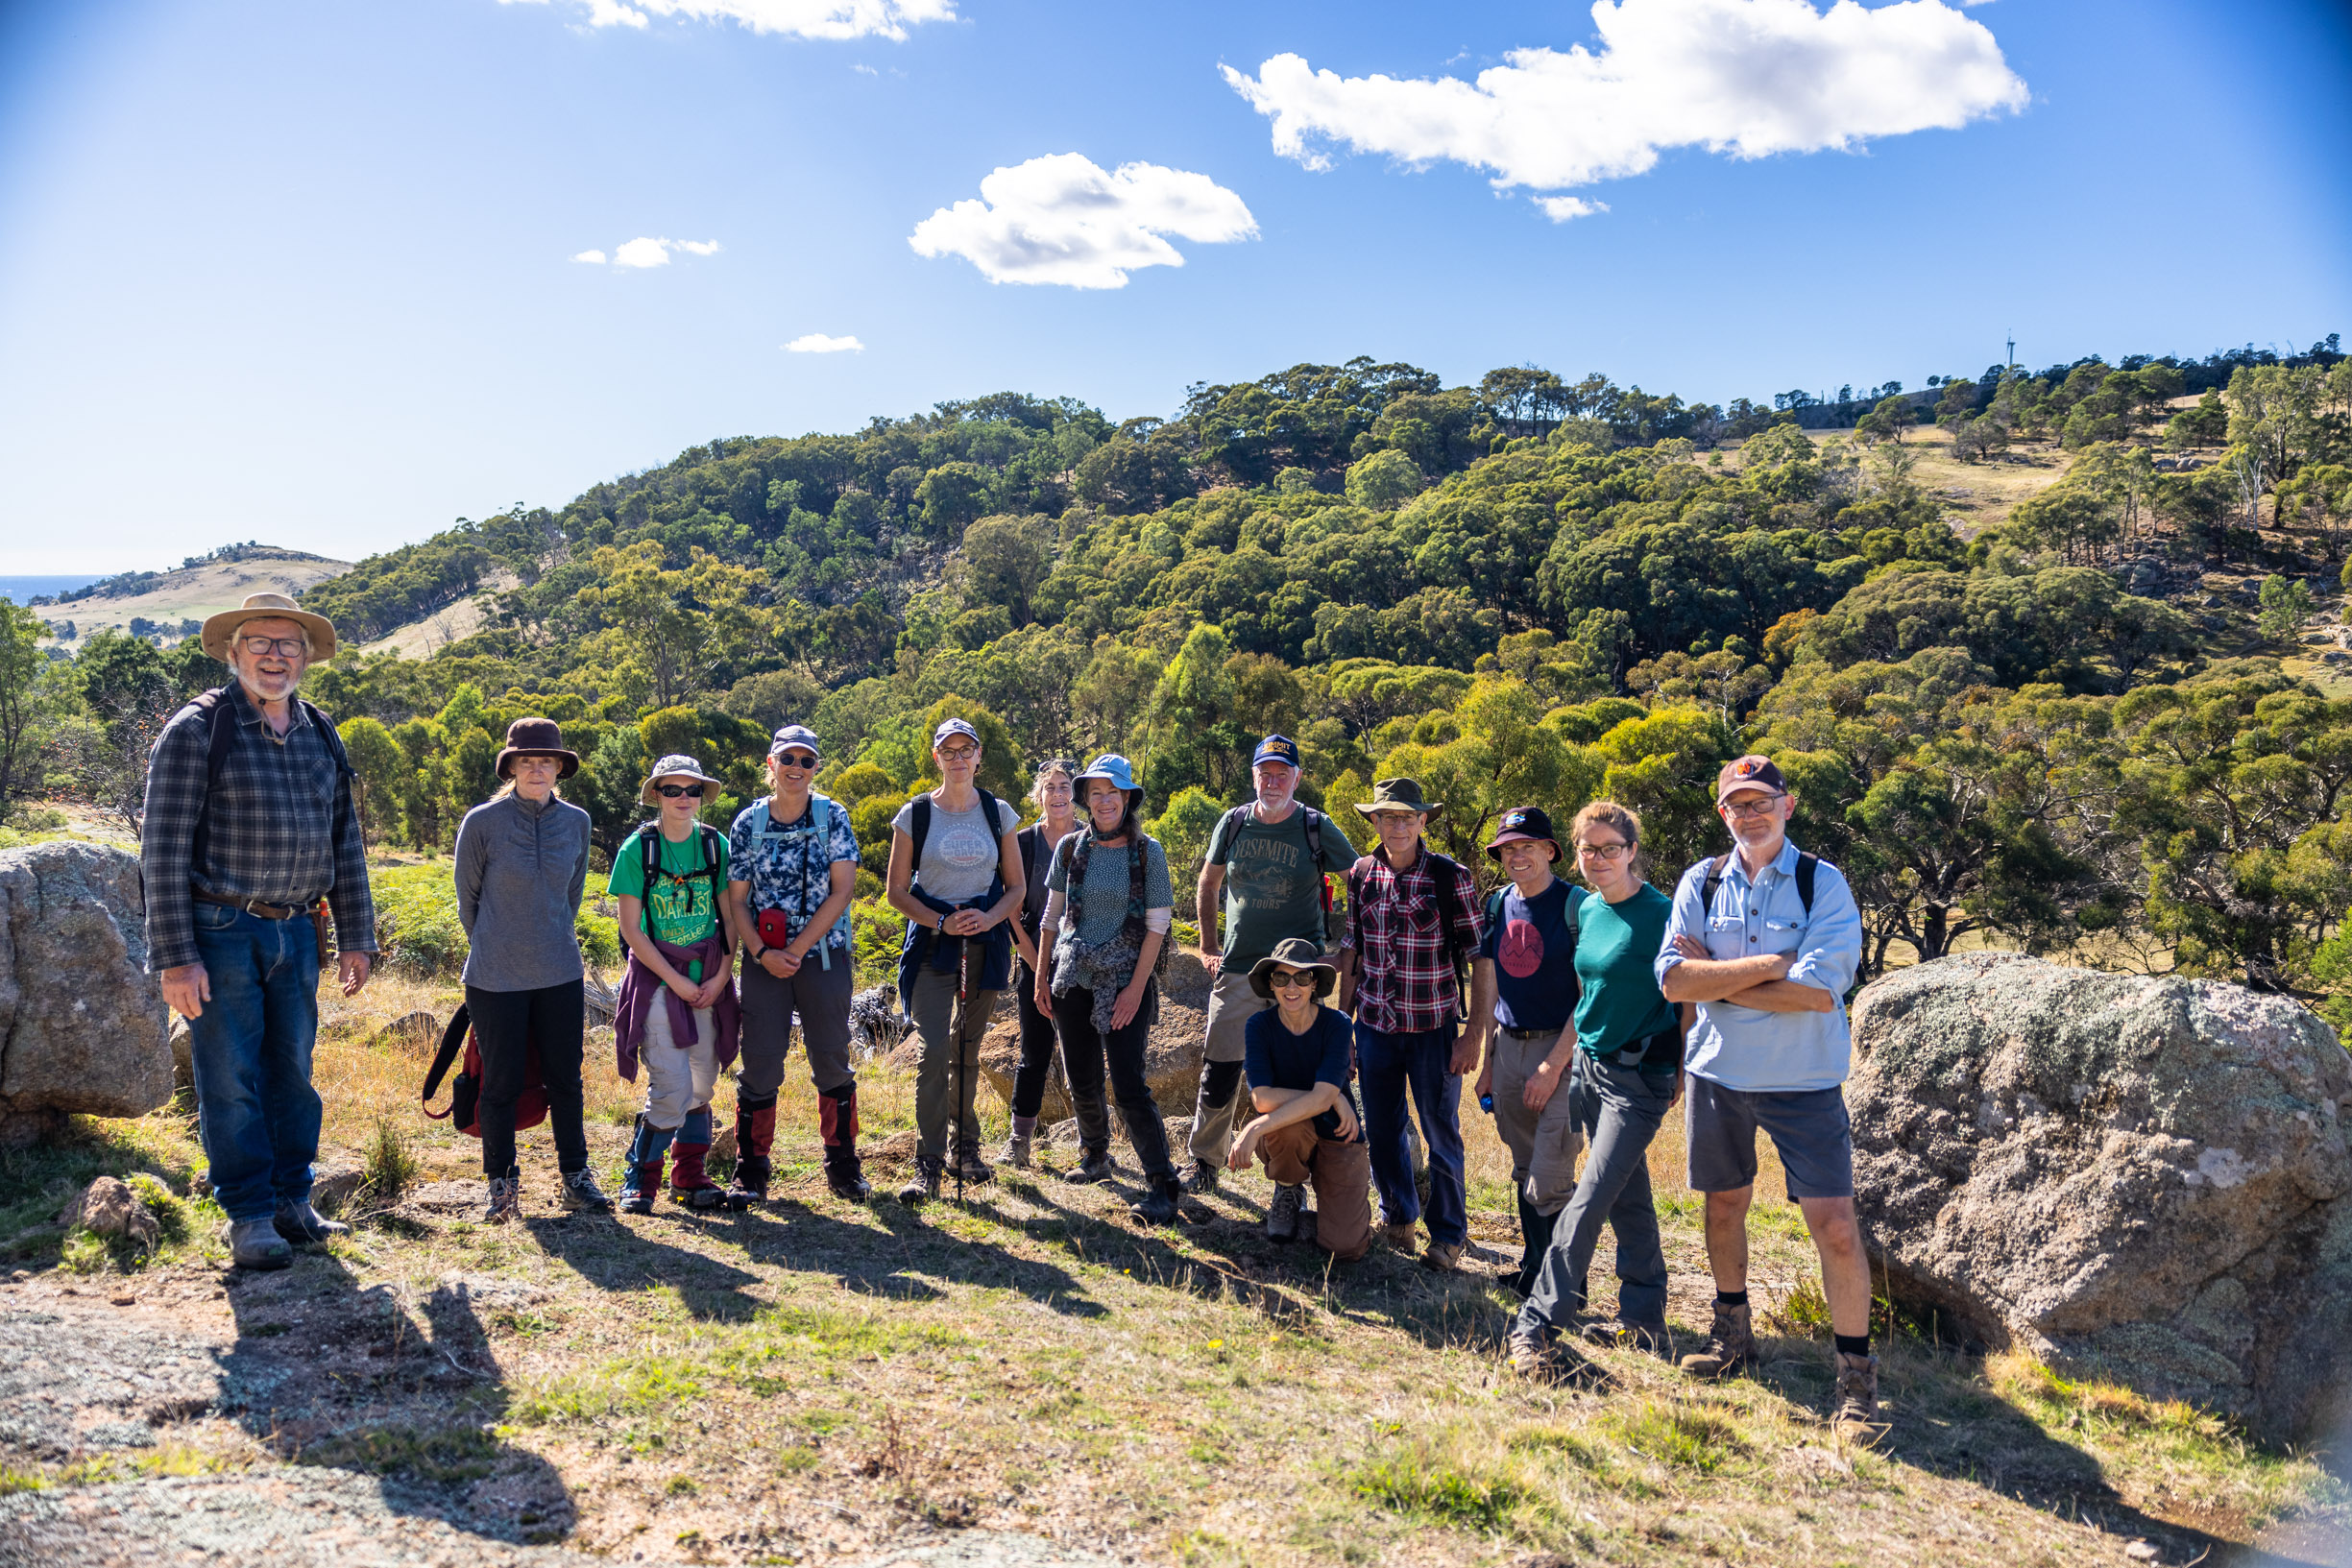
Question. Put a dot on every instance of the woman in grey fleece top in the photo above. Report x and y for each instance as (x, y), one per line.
(521, 869)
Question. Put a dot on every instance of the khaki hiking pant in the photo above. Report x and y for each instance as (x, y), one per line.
(1544, 1145)
(1232, 1004)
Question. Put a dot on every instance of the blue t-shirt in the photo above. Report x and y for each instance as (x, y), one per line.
(787, 867)
(1535, 975)
(1274, 1058)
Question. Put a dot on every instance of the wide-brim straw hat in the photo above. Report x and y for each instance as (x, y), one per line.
(1399, 795)
(676, 765)
(222, 628)
(1293, 953)
(535, 737)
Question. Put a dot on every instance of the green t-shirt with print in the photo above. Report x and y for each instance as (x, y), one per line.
(683, 906)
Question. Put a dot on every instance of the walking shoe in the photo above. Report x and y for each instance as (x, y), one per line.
(1282, 1214)
(1158, 1204)
(1618, 1336)
(1094, 1165)
(255, 1243)
(1530, 1354)
(749, 1184)
(1444, 1257)
(973, 1169)
(297, 1222)
(642, 1180)
(1730, 1345)
(1401, 1237)
(845, 1175)
(923, 1184)
(505, 1201)
(1016, 1150)
(580, 1193)
(1200, 1178)
(1857, 1391)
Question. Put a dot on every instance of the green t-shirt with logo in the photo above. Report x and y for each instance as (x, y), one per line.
(683, 906)
(1271, 891)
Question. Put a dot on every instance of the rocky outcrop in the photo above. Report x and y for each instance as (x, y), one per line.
(82, 1022)
(2143, 1179)
(1172, 1052)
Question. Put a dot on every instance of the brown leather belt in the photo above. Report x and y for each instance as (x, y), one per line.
(251, 906)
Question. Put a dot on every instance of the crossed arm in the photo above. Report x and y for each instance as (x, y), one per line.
(1761, 982)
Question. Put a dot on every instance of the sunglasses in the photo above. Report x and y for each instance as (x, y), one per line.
(796, 759)
(691, 792)
(1291, 981)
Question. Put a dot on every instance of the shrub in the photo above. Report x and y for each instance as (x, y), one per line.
(416, 916)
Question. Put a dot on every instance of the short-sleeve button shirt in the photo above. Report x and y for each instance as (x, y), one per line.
(787, 867)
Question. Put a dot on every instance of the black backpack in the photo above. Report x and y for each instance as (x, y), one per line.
(221, 733)
(649, 856)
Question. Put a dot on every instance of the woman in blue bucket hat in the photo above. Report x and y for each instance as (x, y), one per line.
(1109, 904)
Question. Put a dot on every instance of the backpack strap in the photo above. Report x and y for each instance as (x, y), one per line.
(1713, 885)
(1227, 825)
(918, 829)
(453, 1041)
(1808, 866)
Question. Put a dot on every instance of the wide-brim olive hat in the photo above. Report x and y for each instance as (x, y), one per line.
(676, 765)
(1293, 953)
(222, 628)
(537, 738)
(1399, 795)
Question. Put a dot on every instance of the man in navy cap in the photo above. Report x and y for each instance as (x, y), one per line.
(1765, 940)
(1265, 876)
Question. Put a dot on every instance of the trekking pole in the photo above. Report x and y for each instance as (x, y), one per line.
(963, 997)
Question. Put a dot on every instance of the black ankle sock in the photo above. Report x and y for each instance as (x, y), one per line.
(1853, 1345)
(1730, 1298)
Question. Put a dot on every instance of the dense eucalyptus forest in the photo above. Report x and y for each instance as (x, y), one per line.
(2057, 730)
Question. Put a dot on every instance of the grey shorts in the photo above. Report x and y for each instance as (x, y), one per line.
(1809, 1129)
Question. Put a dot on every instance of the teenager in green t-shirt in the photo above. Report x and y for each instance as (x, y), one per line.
(1628, 1074)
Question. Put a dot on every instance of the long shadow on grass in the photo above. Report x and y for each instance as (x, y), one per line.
(325, 1372)
(1945, 1420)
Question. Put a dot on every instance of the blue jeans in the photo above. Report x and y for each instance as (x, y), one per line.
(1389, 1064)
(255, 1110)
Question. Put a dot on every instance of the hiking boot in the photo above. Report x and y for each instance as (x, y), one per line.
(1158, 1204)
(1650, 1337)
(1444, 1256)
(1016, 1150)
(297, 1222)
(1730, 1345)
(1094, 1165)
(973, 1169)
(749, 1184)
(690, 1185)
(922, 1185)
(1530, 1354)
(580, 1193)
(837, 1124)
(255, 1244)
(1857, 1391)
(505, 1201)
(1282, 1214)
(648, 1152)
(1199, 1179)
(1403, 1238)
(845, 1175)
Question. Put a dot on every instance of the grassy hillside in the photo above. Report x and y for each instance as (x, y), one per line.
(168, 599)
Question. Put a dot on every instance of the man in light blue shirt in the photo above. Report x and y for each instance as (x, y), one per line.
(1766, 940)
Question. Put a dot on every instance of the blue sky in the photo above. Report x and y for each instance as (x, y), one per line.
(305, 272)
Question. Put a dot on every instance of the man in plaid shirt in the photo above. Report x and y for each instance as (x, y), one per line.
(1412, 917)
(233, 861)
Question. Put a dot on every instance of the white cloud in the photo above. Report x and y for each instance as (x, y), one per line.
(818, 343)
(1748, 77)
(647, 252)
(1062, 218)
(797, 18)
(1562, 208)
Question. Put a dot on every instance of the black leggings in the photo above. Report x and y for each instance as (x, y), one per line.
(1084, 1050)
(506, 1022)
(1029, 1081)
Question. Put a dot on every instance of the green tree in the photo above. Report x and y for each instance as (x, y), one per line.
(2285, 603)
(379, 763)
(1004, 561)
(1383, 480)
(22, 699)
(675, 630)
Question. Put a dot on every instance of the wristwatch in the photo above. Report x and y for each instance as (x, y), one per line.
(763, 952)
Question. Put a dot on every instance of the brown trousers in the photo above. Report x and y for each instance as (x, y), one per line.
(1342, 1175)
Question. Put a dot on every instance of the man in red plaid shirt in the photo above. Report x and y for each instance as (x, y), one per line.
(1412, 927)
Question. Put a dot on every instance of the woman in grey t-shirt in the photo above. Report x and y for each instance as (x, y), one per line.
(958, 889)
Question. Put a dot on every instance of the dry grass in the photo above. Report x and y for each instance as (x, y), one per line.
(806, 1381)
(1976, 495)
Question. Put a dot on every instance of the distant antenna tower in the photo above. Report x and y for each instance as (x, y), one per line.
(2010, 363)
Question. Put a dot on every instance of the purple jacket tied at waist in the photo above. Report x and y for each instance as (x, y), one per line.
(640, 986)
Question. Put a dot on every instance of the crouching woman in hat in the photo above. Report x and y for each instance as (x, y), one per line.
(677, 1010)
(521, 869)
(1108, 906)
(1307, 1128)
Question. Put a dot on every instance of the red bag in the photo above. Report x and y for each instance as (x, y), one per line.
(774, 927)
(466, 1093)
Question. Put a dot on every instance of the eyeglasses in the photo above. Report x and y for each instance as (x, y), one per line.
(796, 759)
(1292, 981)
(1753, 808)
(691, 792)
(957, 754)
(286, 647)
(1604, 852)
